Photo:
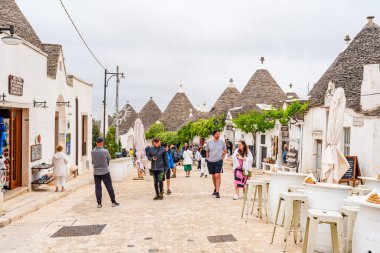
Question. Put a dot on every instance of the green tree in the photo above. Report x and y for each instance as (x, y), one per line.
(95, 133)
(256, 122)
(169, 138)
(110, 142)
(154, 130)
(185, 134)
(292, 113)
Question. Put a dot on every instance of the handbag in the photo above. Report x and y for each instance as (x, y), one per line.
(247, 173)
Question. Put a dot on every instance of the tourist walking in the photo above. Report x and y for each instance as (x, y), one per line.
(176, 158)
(204, 169)
(187, 161)
(215, 152)
(157, 155)
(198, 158)
(100, 160)
(60, 162)
(242, 161)
(170, 167)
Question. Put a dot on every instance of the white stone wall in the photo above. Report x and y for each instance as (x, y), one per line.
(364, 143)
(370, 85)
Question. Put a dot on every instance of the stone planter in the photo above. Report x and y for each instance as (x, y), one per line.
(120, 168)
(279, 182)
(371, 183)
(366, 237)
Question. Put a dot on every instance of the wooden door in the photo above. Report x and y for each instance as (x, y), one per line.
(15, 148)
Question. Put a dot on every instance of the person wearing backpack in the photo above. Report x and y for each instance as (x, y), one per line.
(176, 158)
(169, 168)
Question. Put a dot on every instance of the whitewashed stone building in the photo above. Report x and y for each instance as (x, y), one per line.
(357, 70)
(40, 104)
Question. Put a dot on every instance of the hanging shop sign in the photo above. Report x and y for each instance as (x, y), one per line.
(15, 85)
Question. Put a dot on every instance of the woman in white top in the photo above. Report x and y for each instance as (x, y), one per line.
(60, 162)
(188, 161)
(242, 161)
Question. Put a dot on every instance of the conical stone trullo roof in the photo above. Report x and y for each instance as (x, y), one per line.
(10, 14)
(262, 89)
(149, 114)
(177, 111)
(290, 93)
(227, 100)
(347, 69)
(128, 116)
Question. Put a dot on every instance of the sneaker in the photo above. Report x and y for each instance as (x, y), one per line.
(161, 194)
(173, 176)
(214, 192)
(161, 197)
(236, 197)
(115, 204)
(157, 197)
(99, 205)
(201, 174)
(169, 192)
(205, 176)
(217, 195)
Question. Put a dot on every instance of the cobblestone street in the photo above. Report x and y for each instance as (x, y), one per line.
(179, 223)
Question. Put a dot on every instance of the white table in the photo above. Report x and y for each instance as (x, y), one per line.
(279, 182)
(366, 237)
(371, 182)
(325, 196)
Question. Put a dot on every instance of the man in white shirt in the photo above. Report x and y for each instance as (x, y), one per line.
(216, 150)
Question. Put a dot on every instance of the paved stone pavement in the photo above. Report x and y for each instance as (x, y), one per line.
(179, 223)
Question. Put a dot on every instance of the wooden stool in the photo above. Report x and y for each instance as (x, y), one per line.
(258, 185)
(350, 212)
(293, 201)
(316, 217)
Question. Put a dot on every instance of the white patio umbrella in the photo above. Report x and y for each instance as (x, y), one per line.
(139, 143)
(139, 138)
(334, 164)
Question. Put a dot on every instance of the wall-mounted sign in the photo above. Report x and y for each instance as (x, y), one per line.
(15, 85)
(357, 121)
(35, 152)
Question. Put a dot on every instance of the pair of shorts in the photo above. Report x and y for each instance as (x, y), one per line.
(215, 167)
(168, 172)
(187, 167)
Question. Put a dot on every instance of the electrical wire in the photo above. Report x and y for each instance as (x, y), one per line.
(80, 35)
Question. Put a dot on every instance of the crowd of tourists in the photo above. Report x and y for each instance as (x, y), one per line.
(165, 159)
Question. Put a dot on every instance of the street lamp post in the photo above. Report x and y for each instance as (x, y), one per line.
(106, 73)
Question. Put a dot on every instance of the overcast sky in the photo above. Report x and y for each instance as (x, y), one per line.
(160, 44)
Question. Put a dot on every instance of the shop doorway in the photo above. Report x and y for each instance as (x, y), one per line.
(263, 154)
(10, 146)
(60, 124)
(318, 155)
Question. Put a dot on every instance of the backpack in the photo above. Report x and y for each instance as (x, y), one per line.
(176, 156)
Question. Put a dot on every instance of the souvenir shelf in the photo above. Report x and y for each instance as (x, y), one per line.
(42, 166)
(45, 179)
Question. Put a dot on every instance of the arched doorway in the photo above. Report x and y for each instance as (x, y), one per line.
(60, 123)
